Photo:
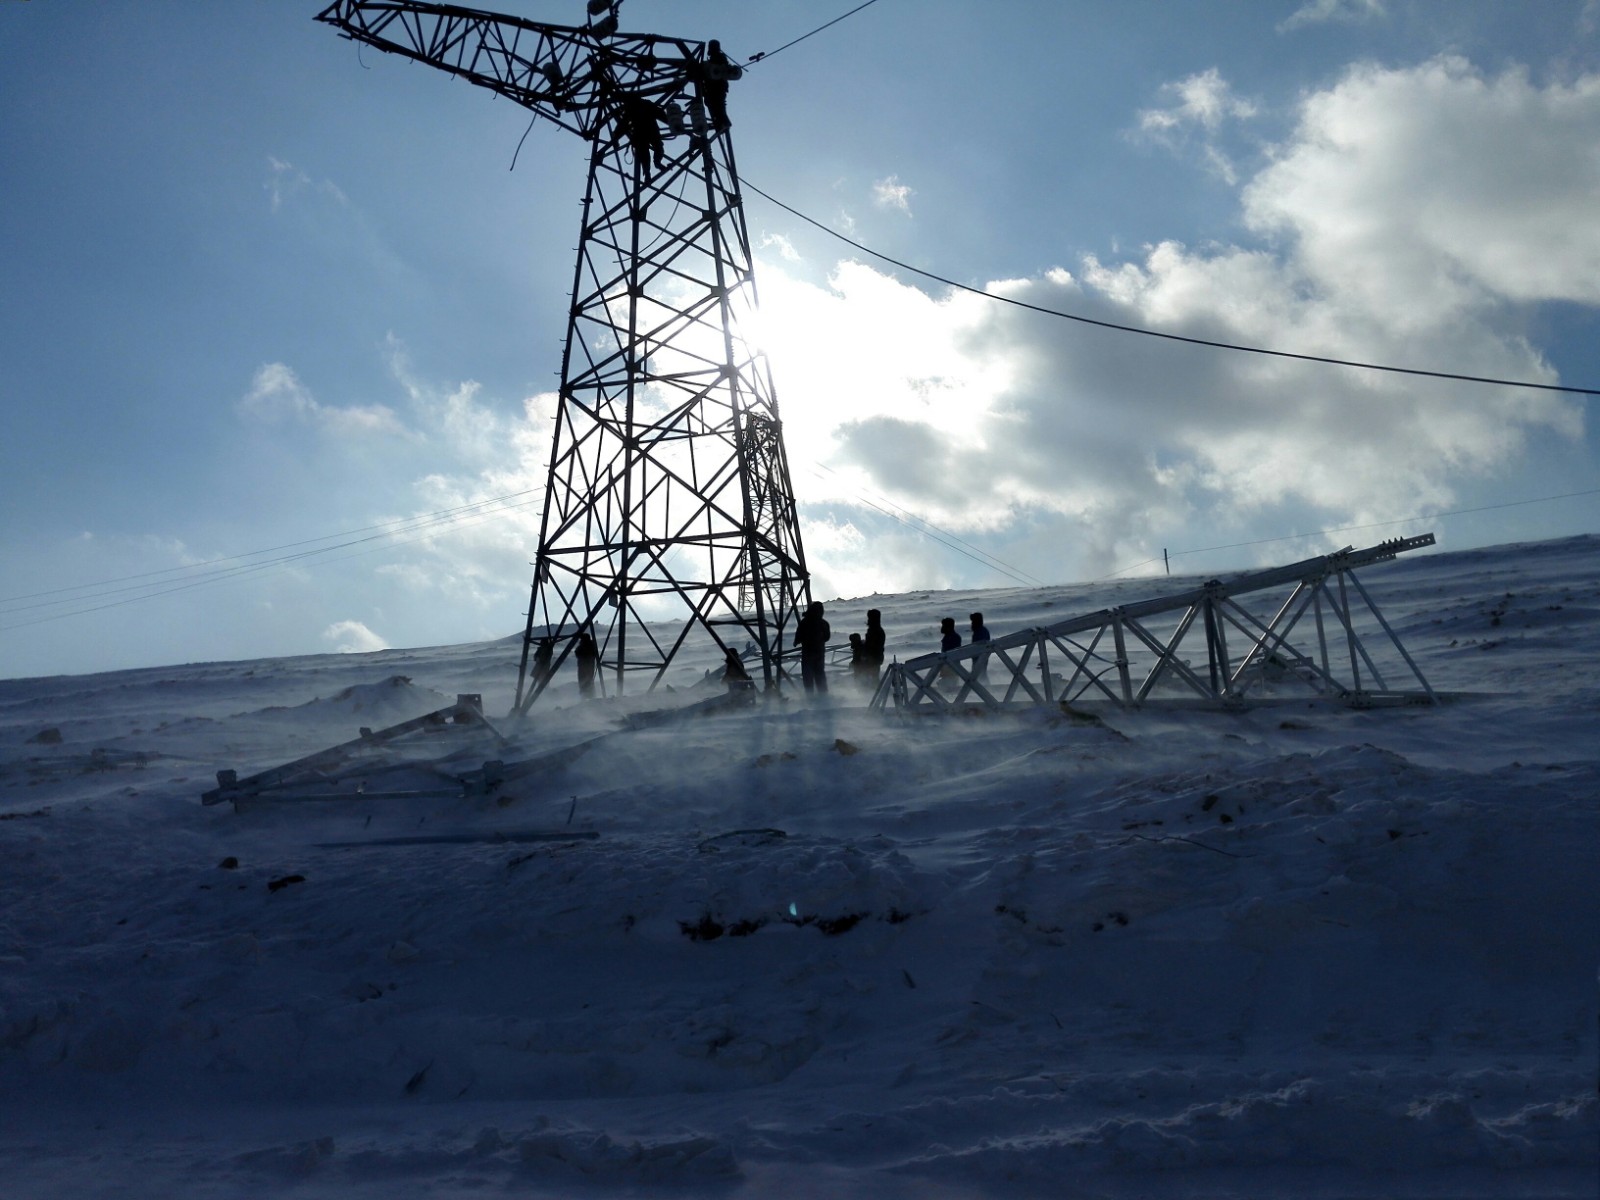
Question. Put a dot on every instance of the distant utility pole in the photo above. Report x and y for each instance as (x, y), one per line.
(669, 507)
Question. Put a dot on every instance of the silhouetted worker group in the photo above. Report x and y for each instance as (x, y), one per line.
(639, 119)
(811, 635)
(866, 650)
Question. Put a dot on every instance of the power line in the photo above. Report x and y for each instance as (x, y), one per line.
(401, 525)
(1171, 337)
(150, 591)
(927, 528)
(766, 54)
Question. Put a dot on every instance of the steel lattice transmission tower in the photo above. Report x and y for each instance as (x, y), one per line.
(669, 499)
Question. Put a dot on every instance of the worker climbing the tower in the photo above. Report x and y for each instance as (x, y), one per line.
(639, 120)
(712, 81)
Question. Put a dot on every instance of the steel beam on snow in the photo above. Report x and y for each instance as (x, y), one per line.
(466, 711)
(993, 674)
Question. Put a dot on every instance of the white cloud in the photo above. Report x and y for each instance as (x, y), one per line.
(1319, 12)
(285, 181)
(474, 526)
(277, 395)
(1433, 189)
(352, 637)
(891, 193)
(1409, 213)
(1203, 104)
(1205, 100)
(1388, 235)
(784, 247)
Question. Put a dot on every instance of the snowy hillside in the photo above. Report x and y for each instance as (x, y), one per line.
(815, 950)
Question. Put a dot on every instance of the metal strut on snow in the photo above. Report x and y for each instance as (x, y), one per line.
(1204, 645)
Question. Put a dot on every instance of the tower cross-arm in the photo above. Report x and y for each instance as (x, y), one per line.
(571, 76)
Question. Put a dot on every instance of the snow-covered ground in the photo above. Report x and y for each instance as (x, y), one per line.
(815, 950)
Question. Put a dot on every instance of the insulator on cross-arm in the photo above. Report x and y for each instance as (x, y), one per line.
(606, 25)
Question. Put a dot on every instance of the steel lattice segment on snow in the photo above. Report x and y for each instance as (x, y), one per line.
(1135, 654)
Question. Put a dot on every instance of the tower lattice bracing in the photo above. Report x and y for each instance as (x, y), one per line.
(669, 509)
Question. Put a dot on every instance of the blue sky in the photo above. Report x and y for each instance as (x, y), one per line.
(276, 309)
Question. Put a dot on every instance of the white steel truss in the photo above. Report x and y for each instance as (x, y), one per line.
(1207, 645)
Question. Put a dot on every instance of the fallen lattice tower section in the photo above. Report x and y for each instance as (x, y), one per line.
(1223, 643)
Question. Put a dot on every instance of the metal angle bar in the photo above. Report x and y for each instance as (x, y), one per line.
(1120, 642)
(1307, 592)
(921, 687)
(927, 681)
(1219, 630)
(1091, 678)
(1352, 641)
(462, 712)
(1393, 638)
(1019, 673)
(1356, 646)
(1167, 655)
(969, 678)
(884, 691)
(1322, 632)
(1265, 632)
(1081, 667)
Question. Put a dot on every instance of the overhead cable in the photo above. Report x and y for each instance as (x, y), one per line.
(766, 54)
(150, 590)
(400, 525)
(920, 524)
(1171, 337)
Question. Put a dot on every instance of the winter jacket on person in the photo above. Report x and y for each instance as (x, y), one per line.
(813, 631)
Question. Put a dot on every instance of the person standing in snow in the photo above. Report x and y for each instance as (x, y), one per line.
(733, 671)
(949, 639)
(980, 633)
(811, 635)
(874, 642)
(541, 660)
(862, 668)
(588, 655)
